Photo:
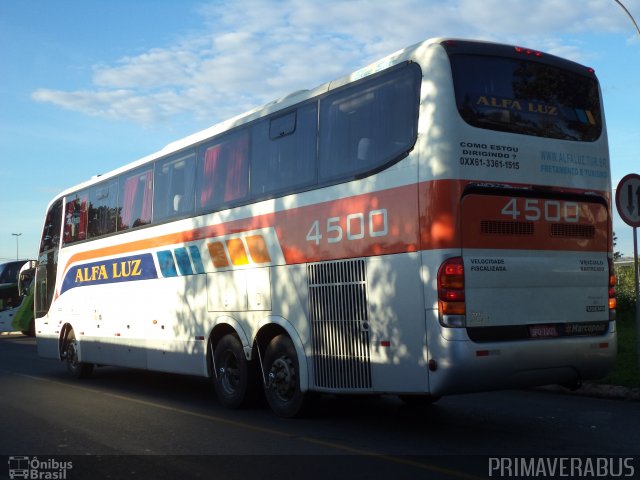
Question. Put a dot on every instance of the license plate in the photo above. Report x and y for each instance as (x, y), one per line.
(543, 331)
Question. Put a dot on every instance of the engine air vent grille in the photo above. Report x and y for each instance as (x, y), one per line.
(572, 230)
(505, 227)
(340, 324)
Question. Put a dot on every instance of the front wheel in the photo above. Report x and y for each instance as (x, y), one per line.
(282, 388)
(31, 331)
(76, 368)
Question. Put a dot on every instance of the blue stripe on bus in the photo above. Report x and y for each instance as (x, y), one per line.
(136, 267)
(183, 261)
(196, 259)
(167, 265)
(115, 270)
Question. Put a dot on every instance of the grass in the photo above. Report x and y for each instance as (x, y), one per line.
(626, 372)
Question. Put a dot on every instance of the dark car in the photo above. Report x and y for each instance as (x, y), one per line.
(9, 296)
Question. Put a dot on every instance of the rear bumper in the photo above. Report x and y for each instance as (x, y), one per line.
(465, 366)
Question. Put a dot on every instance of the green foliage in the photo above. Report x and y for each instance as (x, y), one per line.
(625, 290)
(626, 371)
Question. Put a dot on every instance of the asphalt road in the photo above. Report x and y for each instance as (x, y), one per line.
(124, 423)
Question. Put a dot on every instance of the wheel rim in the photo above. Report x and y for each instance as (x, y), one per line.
(229, 373)
(283, 378)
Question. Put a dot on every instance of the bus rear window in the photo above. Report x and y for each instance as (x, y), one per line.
(527, 97)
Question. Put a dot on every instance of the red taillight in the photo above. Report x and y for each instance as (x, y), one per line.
(527, 51)
(453, 295)
(451, 287)
(451, 273)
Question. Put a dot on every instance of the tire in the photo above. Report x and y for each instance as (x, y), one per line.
(283, 380)
(76, 368)
(232, 380)
(31, 332)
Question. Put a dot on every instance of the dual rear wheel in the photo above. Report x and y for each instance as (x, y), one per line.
(236, 379)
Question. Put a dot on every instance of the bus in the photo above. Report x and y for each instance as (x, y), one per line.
(16, 297)
(437, 222)
(9, 291)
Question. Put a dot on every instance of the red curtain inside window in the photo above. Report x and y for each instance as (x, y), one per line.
(237, 183)
(137, 200)
(128, 202)
(210, 168)
(225, 172)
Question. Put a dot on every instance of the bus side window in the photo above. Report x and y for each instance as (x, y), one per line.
(365, 126)
(135, 199)
(102, 209)
(224, 171)
(51, 230)
(45, 281)
(75, 218)
(283, 152)
(174, 187)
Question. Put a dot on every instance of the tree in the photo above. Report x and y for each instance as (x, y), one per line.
(616, 255)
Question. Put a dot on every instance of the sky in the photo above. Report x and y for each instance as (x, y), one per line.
(87, 86)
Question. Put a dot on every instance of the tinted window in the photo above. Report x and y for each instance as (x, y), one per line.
(282, 125)
(528, 97)
(135, 198)
(51, 230)
(174, 185)
(284, 151)
(350, 132)
(76, 217)
(223, 171)
(9, 272)
(364, 126)
(102, 209)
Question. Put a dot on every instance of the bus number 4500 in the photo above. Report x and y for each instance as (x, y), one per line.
(549, 210)
(354, 226)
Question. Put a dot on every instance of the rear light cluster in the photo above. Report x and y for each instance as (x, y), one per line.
(451, 302)
(612, 291)
(535, 53)
(527, 51)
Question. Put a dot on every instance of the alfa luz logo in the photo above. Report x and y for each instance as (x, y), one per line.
(36, 469)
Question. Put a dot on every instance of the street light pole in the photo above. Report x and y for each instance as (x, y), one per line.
(17, 250)
(628, 15)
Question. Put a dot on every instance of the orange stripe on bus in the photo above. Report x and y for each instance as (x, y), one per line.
(237, 251)
(258, 249)
(218, 254)
(419, 216)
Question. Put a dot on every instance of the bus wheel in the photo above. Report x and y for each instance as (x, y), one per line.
(283, 381)
(77, 368)
(232, 372)
(31, 332)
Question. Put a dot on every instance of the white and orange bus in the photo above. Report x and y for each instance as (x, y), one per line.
(437, 222)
